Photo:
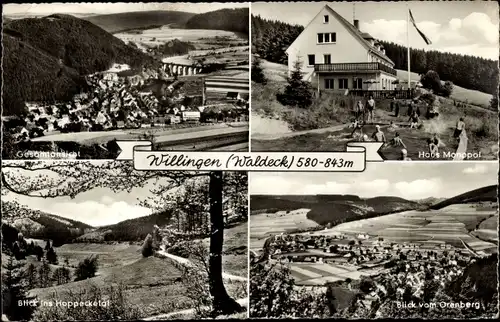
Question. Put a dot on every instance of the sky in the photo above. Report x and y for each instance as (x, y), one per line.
(108, 8)
(96, 207)
(411, 181)
(465, 27)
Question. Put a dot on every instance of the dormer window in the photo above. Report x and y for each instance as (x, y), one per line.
(325, 19)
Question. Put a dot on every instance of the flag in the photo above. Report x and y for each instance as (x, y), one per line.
(424, 37)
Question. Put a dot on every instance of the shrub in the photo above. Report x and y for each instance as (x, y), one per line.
(446, 89)
(327, 110)
(86, 268)
(51, 256)
(147, 247)
(298, 92)
(257, 72)
(431, 80)
(111, 300)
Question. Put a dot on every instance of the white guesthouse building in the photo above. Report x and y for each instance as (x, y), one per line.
(336, 55)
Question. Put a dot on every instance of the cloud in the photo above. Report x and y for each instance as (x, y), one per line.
(97, 213)
(422, 188)
(476, 34)
(476, 169)
(274, 185)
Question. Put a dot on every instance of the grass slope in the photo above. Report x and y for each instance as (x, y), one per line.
(128, 230)
(332, 209)
(224, 19)
(459, 93)
(117, 22)
(488, 193)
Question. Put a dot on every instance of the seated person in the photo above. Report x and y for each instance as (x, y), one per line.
(404, 155)
(392, 127)
(354, 124)
(433, 147)
(397, 141)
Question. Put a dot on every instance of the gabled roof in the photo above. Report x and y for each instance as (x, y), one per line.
(356, 32)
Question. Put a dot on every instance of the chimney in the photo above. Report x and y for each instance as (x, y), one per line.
(356, 24)
(383, 50)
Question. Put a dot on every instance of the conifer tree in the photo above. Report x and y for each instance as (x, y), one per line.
(298, 92)
(14, 292)
(257, 72)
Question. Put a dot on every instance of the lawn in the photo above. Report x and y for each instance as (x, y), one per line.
(414, 139)
(481, 123)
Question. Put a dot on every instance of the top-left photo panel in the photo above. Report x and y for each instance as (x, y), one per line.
(77, 77)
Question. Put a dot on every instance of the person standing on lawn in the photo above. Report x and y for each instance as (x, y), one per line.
(370, 106)
(459, 128)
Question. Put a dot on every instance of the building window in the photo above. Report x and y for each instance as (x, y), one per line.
(320, 38)
(357, 83)
(343, 83)
(327, 38)
(327, 58)
(328, 83)
(325, 19)
(311, 59)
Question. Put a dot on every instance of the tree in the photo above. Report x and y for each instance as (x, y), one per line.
(86, 268)
(147, 247)
(61, 275)
(44, 274)
(47, 245)
(431, 81)
(51, 256)
(298, 92)
(14, 292)
(29, 178)
(39, 252)
(31, 276)
(447, 89)
(257, 71)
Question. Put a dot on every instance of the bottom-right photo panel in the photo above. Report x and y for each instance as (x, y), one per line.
(399, 240)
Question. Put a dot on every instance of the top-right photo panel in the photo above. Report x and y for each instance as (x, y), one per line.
(421, 77)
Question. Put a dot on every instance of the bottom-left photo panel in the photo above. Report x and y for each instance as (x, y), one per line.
(99, 240)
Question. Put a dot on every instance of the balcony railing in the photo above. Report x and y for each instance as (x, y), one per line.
(354, 67)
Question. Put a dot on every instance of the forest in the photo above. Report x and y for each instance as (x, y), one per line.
(45, 59)
(271, 39)
(225, 19)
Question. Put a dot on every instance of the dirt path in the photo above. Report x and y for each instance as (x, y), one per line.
(187, 262)
(242, 302)
(277, 136)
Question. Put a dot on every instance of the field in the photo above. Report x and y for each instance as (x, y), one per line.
(450, 225)
(201, 38)
(211, 46)
(268, 224)
(322, 273)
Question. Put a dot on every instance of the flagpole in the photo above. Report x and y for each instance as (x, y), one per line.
(408, 42)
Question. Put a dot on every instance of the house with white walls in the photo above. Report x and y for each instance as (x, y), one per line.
(336, 55)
